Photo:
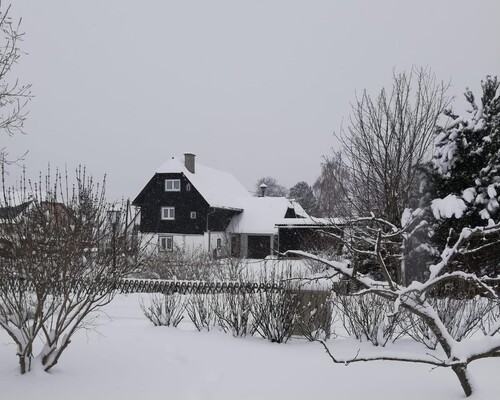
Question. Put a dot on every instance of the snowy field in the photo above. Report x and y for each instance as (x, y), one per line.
(126, 357)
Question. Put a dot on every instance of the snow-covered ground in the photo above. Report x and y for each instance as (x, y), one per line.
(126, 357)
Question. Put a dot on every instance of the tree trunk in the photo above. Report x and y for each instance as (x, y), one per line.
(460, 370)
(463, 377)
(25, 356)
(22, 364)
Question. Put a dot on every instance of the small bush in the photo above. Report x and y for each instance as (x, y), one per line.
(367, 317)
(164, 309)
(200, 309)
(234, 313)
(276, 314)
(461, 317)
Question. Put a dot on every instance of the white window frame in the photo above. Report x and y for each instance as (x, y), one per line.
(165, 243)
(193, 215)
(168, 213)
(175, 185)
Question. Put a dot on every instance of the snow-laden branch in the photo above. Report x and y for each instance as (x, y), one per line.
(466, 235)
(481, 283)
(344, 269)
(386, 356)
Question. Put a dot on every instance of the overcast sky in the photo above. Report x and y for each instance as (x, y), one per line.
(251, 87)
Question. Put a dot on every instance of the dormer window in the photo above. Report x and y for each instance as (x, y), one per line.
(172, 185)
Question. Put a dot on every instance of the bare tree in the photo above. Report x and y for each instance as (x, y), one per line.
(468, 208)
(387, 138)
(331, 188)
(63, 257)
(13, 94)
(272, 187)
(466, 204)
(452, 353)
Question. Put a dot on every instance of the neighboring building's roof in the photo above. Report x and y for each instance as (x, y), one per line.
(260, 215)
(219, 189)
(8, 213)
(299, 211)
(309, 222)
(13, 198)
(14, 202)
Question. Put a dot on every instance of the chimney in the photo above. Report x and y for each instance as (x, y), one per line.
(189, 162)
(263, 188)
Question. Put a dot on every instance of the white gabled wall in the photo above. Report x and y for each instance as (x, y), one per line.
(201, 242)
(191, 242)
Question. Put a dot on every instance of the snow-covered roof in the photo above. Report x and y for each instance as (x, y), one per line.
(219, 189)
(13, 198)
(260, 215)
(299, 210)
(309, 222)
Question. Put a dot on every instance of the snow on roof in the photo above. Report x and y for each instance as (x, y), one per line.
(13, 198)
(299, 210)
(219, 189)
(310, 221)
(260, 215)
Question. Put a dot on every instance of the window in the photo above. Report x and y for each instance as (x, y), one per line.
(168, 213)
(172, 185)
(166, 243)
(193, 214)
(188, 187)
(219, 244)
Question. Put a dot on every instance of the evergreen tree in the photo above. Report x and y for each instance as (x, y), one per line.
(462, 185)
(303, 193)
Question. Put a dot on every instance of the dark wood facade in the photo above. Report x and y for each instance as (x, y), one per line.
(310, 238)
(259, 246)
(185, 201)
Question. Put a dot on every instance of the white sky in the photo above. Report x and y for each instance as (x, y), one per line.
(252, 87)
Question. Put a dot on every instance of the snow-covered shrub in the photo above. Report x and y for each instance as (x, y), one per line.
(275, 310)
(164, 309)
(461, 317)
(367, 317)
(276, 314)
(233, 312)
(64, 260)
(201, 311)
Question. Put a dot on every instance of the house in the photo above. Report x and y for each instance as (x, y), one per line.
(19, 210)
(186, 204)
(10, 211)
